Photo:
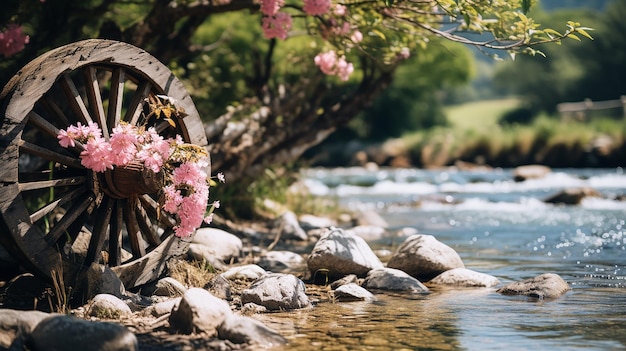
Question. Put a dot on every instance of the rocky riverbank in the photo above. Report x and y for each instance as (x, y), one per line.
(209, 299)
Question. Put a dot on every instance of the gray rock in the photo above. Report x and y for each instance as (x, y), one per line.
(353, 292)
(223, 246)
(424, 257)
(16, 324)
(220, 287)
(102, 280)
(169, 286)
(291, 229)
(466, 278)
(162, 308)
(546, 285)
(65, 333)
(245, 272)
(277, 291)
(370, 218)
(245, 330)
(199, 311)
(350, 278)
(281, 261)
(107, 306)
(368, 232)
(339, 253)
(393, 280)
(310, 222)
(202, 253)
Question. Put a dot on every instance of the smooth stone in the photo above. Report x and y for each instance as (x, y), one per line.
(281, 261)
(245, 272)
(199, 311)
(66, 333)
(370, 218)
(17, 323)
(203, 253)
(393, 280)
(246, 330)
(368, 232)
(291, 229)
(350, 278)
(277, 291)
(220, 288)
(546, 285)
(424, 257)
(310, 222)
(466, 278)
(338, 253)
(223, 245)
(162, 308)
(166, 286)
(108, 306)
(353, 292)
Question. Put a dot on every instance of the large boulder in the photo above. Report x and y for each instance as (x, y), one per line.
(14, 324)
(277, 291)
(339, 253)
(424, 257)
(548, 285)
(64, 333)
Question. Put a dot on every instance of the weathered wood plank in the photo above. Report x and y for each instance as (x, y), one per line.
(100, 231)
(92, 87)
(24, 186)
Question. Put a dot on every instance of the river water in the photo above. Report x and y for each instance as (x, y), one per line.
(499, 227)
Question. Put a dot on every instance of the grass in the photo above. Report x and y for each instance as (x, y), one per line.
(479, 114)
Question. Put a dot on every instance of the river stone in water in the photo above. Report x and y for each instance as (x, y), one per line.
(340, 253)
(393, 280)
(14, 322)
(424, 257)
(465, 277)
(353, 292)
(108, 306)
(245, 330)
(66, 333)
(547, 285)
(199, 311)
(277, 291)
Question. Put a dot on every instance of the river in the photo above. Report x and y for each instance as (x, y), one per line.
(499, 227)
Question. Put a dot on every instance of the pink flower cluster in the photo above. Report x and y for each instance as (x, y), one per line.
(186, 191)
(12, 40)
(316, 7)
(329, 63)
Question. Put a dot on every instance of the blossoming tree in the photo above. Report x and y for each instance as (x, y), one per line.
(306, 68)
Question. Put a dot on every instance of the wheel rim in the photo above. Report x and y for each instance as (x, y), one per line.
(49, 199)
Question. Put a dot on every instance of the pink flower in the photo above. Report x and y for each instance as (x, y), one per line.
(340, 10)
(271, 7)
(97, 155)
(316, 7)
(65, 139)
(221, 178)
(188, 173)
(326, 61)
(356, 36)
(344, 69)
(277, 26)
(12, 40)
(123, 144)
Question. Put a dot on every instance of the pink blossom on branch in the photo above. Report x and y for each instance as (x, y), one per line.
(277, 26)
(12, 40)
(316, 7)
(330, 64)
(271, 7)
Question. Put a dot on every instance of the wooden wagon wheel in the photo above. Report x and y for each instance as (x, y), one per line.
(48, 200)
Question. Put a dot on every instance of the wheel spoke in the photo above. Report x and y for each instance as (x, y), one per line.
(147, 228)
(134, 233)
(99, 233)
(95, 99)
(115, 97)
(37, 215)
(43, 124)
(115, 236)
(136, 105)
(54, 110)
(49, 155)
(75, 100)
(52, 183)
(68, 219)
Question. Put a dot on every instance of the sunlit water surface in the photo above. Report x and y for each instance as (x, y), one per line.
(498, 227)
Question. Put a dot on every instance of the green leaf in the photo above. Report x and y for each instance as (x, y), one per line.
(467, 18)
(573, 36)
(526, 6)
(389, 2)
(584, 33)
(379, 33)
